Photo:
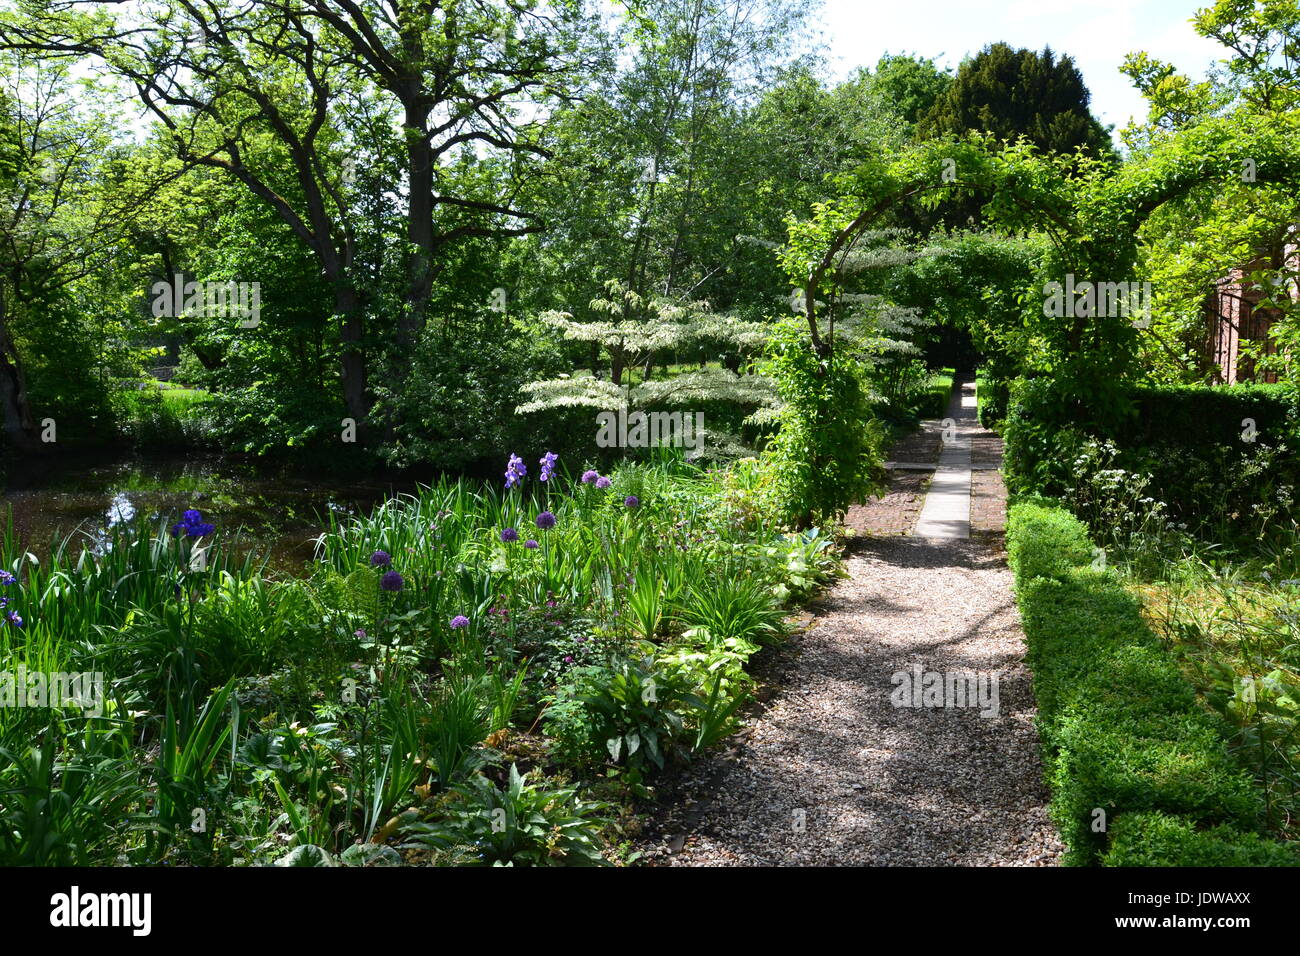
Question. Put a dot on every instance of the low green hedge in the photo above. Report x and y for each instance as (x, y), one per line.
(934, 398)
(1122, 730)
(1044, 540)
(1157, 839)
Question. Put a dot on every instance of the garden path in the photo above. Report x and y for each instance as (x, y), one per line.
(827, 771)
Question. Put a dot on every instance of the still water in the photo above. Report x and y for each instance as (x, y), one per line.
(276, 513)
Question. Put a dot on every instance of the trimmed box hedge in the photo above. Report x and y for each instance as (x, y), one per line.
(1157, 839)
(1122, 729)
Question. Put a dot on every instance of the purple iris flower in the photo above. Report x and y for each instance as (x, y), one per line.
(515, 471)
(192, 525)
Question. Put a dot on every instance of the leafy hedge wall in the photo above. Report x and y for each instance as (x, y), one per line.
(1122, 730)
(1205, 448)
(992, 394)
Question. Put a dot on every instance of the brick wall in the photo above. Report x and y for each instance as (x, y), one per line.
(1232, 317)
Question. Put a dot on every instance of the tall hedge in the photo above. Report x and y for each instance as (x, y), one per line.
(1198, 444)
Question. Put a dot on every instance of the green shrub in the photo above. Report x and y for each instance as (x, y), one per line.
(827, 454)
(630, 713)
(991, 396)
(1123, 732)
(1213, 455)
(153, 417)
(1044, 541)
(458, 400)
(1157, 839)
(734, 608)
(932, 400)
(520, 824)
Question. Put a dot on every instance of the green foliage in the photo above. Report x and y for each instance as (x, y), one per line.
(911, 85)
(992, 396)
(630, 713)
(1158, 839)
(1014, 93)
(827, 454)
(520, 824)
(1044, 540)
(1232, 624)
(460, 722)
(156, 418)
(931, 400)
(1218, 459)
(737, 609)
(632, 330)
(458, 399)
(1122, 730)
(67, 807)
(309, 716)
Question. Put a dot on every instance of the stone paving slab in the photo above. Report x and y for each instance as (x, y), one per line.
(946, 512)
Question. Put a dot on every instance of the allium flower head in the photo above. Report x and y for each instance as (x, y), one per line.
(602, 482)
(460, 620)
(590, 476)
(392, 581)
(515, 471)
(531, 545)
(380, 559)
(545, 520)
(509, 534)
(632, 501)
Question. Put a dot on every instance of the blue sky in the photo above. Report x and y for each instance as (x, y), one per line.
(1096, 33)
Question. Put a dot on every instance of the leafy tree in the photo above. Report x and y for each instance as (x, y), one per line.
(907, 86)
(656, 173)
(632, 329)
(274, 94)
(1019, 93)
(68, 279)
(1242, 115)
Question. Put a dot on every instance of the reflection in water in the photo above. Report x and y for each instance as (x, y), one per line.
(274, 515)
(120, 510)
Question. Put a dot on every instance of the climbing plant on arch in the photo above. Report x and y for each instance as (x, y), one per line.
(1089, 212)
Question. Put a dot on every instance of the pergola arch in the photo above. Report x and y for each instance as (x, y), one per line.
(1097, 224)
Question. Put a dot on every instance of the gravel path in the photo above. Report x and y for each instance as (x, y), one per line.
(830, 772)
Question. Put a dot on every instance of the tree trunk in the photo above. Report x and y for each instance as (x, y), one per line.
(419, 229)
(15, 409)
(355, 396)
